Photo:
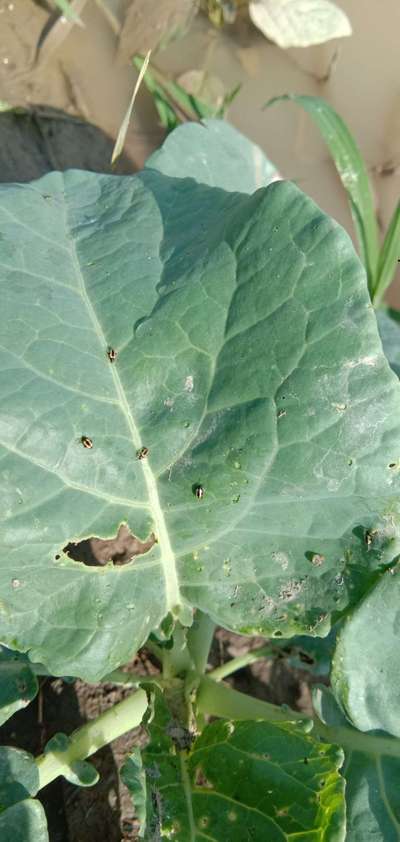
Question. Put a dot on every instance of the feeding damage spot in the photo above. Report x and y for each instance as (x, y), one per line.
(290, 590)
(96, 552)
(181, 737)
(317, 559)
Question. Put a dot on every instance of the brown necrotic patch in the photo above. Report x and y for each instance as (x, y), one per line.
(96, 552)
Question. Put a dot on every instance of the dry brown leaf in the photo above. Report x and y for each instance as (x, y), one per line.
(151, 24)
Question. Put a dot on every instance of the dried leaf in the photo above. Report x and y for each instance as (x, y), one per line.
(299, 23)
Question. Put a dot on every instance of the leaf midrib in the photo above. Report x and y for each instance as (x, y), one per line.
(168, 562)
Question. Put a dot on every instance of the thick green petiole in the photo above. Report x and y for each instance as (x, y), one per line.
(85, 741)
(217, 699)
(243, 661)
(199, 640)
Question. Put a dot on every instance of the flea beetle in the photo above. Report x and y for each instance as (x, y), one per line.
(86, 441)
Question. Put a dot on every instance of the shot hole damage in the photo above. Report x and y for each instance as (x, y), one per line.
(97, 552)
(316, 558)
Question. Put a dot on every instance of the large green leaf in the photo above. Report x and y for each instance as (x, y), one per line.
(367, 658)
(372, 771)
(18, 684)
(215, 154)
(239, 780)
(21, 818)
(248, 364)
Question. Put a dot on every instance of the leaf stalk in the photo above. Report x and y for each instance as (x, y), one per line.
(94, 735)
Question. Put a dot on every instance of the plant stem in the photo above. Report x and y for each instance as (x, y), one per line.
(200, 637)
(242, 661)
(352, 740)
(155, 650)
(217, 699)
(92, 736)
(177, 661)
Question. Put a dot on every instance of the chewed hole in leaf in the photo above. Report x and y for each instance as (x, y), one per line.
(201, 780)
(96, 552)
(204, 821)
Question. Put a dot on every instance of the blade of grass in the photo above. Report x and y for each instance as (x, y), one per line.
(68, 11)
(119, 143)
(110, 17)
(353, 173)
(175, 104)
(170, 114)
(388, 258)
(186, 106)
(227, 100)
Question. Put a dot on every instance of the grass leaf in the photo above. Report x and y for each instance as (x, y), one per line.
(119, 143)
(353, 173)
(388, 257)
(68, 11)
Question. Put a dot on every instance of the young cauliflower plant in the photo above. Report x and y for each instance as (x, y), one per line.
(198, 427)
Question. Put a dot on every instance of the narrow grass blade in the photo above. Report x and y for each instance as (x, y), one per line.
(119, 143)
(174, 104)
(227, 101)
(388, 258)
(110, 16)
(353, 173)
(68, 11)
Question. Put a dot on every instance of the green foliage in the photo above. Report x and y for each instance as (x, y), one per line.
(192, 353)
(388, 257)
(194, 287)
(21, 818)
(371, 770)
(66, 8)
(379, 262)
(174, 104)
(259, 779)
(367, 659)
(389, 331)
(18, 684)
(224, 158)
